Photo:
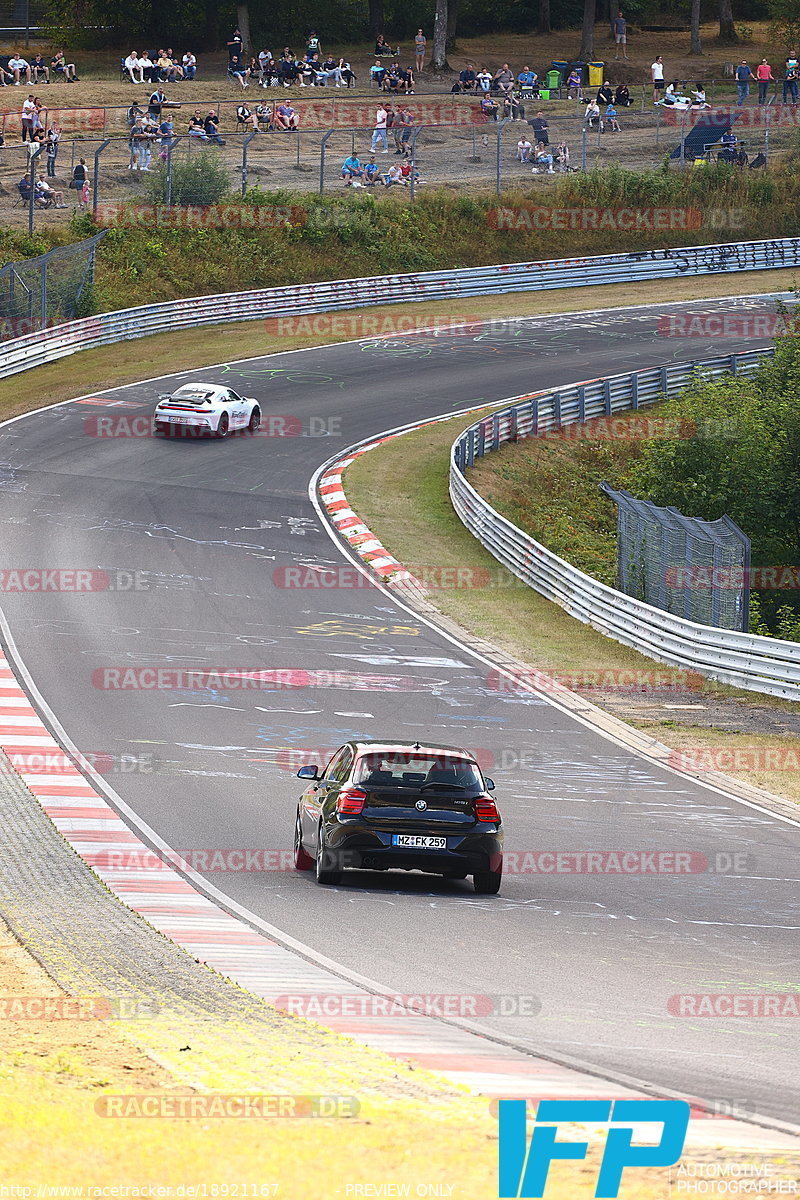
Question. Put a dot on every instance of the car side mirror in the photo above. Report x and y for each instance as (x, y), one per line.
(308, 773)
(489, 784)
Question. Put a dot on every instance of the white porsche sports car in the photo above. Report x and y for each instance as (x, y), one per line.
(206, 408)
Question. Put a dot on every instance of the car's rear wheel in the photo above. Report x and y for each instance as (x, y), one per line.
(255, 419)
(302, 860)
(222, 427)
(327, 865)
(487, 883)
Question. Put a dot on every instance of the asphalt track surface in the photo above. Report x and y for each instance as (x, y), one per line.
(209, 523)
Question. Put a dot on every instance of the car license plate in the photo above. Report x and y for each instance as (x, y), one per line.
(417, 842)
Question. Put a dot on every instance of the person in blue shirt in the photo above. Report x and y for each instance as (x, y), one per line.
(371, 175)
(352, 169)
(610, 119)
(527, 78)
(743, 77)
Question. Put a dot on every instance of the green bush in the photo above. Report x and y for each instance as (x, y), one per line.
(200, 178)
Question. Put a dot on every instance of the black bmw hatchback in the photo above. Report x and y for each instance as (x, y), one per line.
(380, 805)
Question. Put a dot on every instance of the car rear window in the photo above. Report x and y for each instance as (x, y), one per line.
(192, 394)
(417, 770)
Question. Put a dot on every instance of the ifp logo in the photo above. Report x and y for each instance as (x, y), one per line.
(524, 1168)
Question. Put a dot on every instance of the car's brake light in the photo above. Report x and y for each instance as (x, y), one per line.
(351, 800)
(486, 809)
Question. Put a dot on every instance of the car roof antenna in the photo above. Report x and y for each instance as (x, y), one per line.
(417, 746)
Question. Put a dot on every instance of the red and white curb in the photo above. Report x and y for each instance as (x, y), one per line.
(352, 528)
(153, 888)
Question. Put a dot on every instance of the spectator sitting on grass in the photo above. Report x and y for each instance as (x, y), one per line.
(592, 114)
(61, 67)
(484, 78)
(211, 126)
(622, 97)
(610, 119)
(286, 117)
(189, 65)
(197, 127)
(544, 159)
(503, 80)
(19, 68)
(562, 156)
(524, 148)
(382, 47)
(605, 94)
(352, 169)
(406, 80)
(395, 176)
(371, 172)
(238, 71)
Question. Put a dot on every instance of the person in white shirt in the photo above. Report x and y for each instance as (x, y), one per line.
(524, 148)
(657, 75)
(189, 65)
(147, 65)
(28, 115)
(379, 133)
(19, 68)
(484, 79)
(134, 68)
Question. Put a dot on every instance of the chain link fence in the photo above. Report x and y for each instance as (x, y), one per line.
(44, 291)
(695, 569)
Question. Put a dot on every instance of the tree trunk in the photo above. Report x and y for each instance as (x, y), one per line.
(696, 47)
(211, 13)
(587, 33)
(243, 17)
(439, 61)
(544, 17)
(376, 21)
(727, 29)
(452, 22)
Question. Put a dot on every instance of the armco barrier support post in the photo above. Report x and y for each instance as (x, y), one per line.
(414, 137)
(245, 144)
(96, 179)
(583, 147)
(500, 127)
(32, 196)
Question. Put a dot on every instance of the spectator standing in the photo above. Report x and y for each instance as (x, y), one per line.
(420, 42)
(53, 139)
(657, 75)
(379, 132)
(789, 80)
(155, 103)
(619, 27)
(743, 77)
(235, 46)
(541, 129)
(765, 78)
(28, 112)
(80, 182)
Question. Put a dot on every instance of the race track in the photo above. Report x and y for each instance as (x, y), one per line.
(209, 523)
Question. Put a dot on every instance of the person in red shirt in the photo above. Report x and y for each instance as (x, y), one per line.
(765, 77)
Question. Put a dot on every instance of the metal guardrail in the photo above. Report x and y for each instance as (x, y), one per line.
(36, 349)
(744, 660)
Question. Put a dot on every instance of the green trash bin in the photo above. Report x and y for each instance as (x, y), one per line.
(553, 80)
(596, 74)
